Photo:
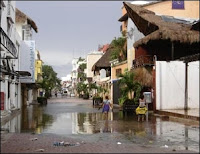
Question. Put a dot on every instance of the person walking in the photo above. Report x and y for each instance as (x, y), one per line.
(106, 106)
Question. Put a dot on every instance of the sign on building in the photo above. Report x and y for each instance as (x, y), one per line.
(177, 4)
(2, 100)
(27, 60)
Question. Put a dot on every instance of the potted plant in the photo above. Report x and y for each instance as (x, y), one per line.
(129, 86)
(86, 95)
(97, 100)
(42, 100)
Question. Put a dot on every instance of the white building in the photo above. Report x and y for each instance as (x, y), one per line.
(24, 26)
(76, 62)
(66, 83)
(74, 74)
(9, 62)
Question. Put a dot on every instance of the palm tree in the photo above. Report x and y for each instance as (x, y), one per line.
(119, 49)
(129, 85)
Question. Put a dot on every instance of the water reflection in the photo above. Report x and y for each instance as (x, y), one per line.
(34, 120)
(154, 132)
(14, 125)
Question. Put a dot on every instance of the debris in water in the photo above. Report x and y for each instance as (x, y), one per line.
(166, 146)
(65, 144)
(33, 139)
(119, 143)
(150, 142)
(40, 150)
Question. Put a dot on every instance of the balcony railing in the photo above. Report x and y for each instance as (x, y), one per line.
(141, 61)
(7, 43)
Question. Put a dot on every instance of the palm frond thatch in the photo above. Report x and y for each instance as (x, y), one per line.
(143, 76)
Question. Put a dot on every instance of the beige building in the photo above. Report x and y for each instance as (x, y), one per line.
(92, 58)
(191, 9)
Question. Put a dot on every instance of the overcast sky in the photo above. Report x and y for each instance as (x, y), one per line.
(69, 29)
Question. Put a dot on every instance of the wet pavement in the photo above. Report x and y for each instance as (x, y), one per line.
(78, 120)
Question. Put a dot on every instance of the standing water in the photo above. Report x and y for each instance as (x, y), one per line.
(80, 120)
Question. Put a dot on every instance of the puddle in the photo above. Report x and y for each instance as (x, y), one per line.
(89, 124)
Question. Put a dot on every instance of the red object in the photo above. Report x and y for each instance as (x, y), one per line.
(141, 52)
(2, 100)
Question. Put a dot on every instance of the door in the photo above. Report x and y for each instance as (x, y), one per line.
(116, 92)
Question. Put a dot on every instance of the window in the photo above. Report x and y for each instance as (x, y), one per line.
(26, 32)
(118, 72)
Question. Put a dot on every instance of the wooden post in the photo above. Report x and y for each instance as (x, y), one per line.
(186, 86)
(154, 85)
(172, 51)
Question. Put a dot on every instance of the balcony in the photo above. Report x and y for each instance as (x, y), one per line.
(142, 61)
(96, 78)
(8, 44)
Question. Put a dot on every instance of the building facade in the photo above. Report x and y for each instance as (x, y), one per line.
(24, 27)
(9, 61)
(178, 28)
(92, 58)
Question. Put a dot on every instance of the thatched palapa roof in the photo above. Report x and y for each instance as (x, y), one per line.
(21, 17)
(154, 27)
(143, 76)
(124, 17)
(104, 61)
(196, 26)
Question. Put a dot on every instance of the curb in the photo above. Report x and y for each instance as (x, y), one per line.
(178, 115)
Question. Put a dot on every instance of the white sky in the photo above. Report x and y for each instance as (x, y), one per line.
(70, 29)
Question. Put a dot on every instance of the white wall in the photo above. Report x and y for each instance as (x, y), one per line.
(133, 35)
(170, 85)
(193, 84)
(4, 16)
(92, 58)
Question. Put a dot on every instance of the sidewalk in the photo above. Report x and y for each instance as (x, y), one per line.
(192, 114)
(6, 115)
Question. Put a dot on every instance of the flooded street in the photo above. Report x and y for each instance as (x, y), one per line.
(76, 118)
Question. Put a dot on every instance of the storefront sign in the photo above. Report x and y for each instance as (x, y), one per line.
(177, 4)
(2, 100)
(27, 62)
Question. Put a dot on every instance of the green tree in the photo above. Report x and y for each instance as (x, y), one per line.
(80, 59)
(50, 80)
(81, 74)
(82, 87)
(92, 86)
(82, 67)
(128, 85)
(119, 49)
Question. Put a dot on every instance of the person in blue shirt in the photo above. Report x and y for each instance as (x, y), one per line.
(106, 105)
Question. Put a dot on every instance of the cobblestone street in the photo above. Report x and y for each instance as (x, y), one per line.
(85, 130)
